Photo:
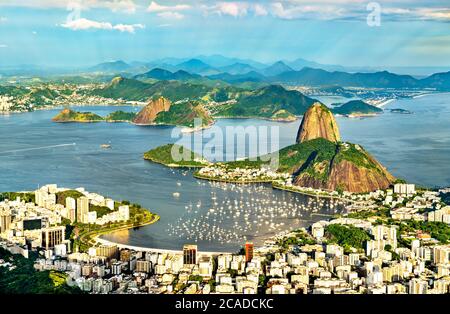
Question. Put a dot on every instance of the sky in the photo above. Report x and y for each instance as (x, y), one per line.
(344, 32)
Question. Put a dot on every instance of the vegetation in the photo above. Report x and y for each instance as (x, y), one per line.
(283, 115)
(346, 236)
(438, 230)
(184, 114)
(356, 107)
(357, 156)
(131, 89)
(267, 101)
(22, 278)
(299, 239)
(120, 115)
(446, 198)
(101, 210)
(27, 197)
(163, 155)
(61, 196)
(68, 115)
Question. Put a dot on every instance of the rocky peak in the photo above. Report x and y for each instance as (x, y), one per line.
(149, 113)
(318, 122)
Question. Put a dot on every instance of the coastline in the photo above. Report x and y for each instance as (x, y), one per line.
(93, 236)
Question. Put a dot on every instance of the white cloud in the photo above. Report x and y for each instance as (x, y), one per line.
(85, 24)
(260, 10)
(3, 19)
(171, 15)
(234, 9)
(130, 28)
(155, 7)
(127, 6)
(442, 14)
(308, 11)
(3, 46)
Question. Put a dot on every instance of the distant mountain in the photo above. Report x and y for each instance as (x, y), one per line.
(300, 63)
(161, 74)
(135, 90)
(238, 68)
(197, 66)
(318, 77)
(111, 67)
(219, 61)
(356, 107)
(276, 69)
(239, 78)
(266, 102)
(439, 81)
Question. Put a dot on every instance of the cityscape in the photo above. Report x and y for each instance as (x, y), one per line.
(136, 159)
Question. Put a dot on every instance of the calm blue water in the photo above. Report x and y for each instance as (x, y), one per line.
(415, 147)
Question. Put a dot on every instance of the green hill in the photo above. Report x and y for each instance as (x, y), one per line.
(267, 101)
(163, 155)
(67, 115)
(184, 114)
(134, 90)
(320, 163)
(356, 107)
(120, 116)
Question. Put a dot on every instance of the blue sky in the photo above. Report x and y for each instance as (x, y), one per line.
(85, 32)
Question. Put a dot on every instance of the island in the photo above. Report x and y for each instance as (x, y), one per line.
(70, 116)
(164, 155)
(400, 111)
(67, 115)
(356, 108)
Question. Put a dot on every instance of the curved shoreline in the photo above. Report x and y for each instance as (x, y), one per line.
(94, 235)
(198, 176)
(274, 186)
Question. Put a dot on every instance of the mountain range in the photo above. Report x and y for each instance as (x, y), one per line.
(237, 71)
(283, 73)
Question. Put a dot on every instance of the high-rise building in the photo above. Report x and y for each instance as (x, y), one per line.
(143, 266)
(124, 212)
(82, 209)
(71, 205)
(248, 251)
(189, 254)
(441, 254)
(108, 251)
(418, 286)
(407, 189)
(5, 222)
(53, 236)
